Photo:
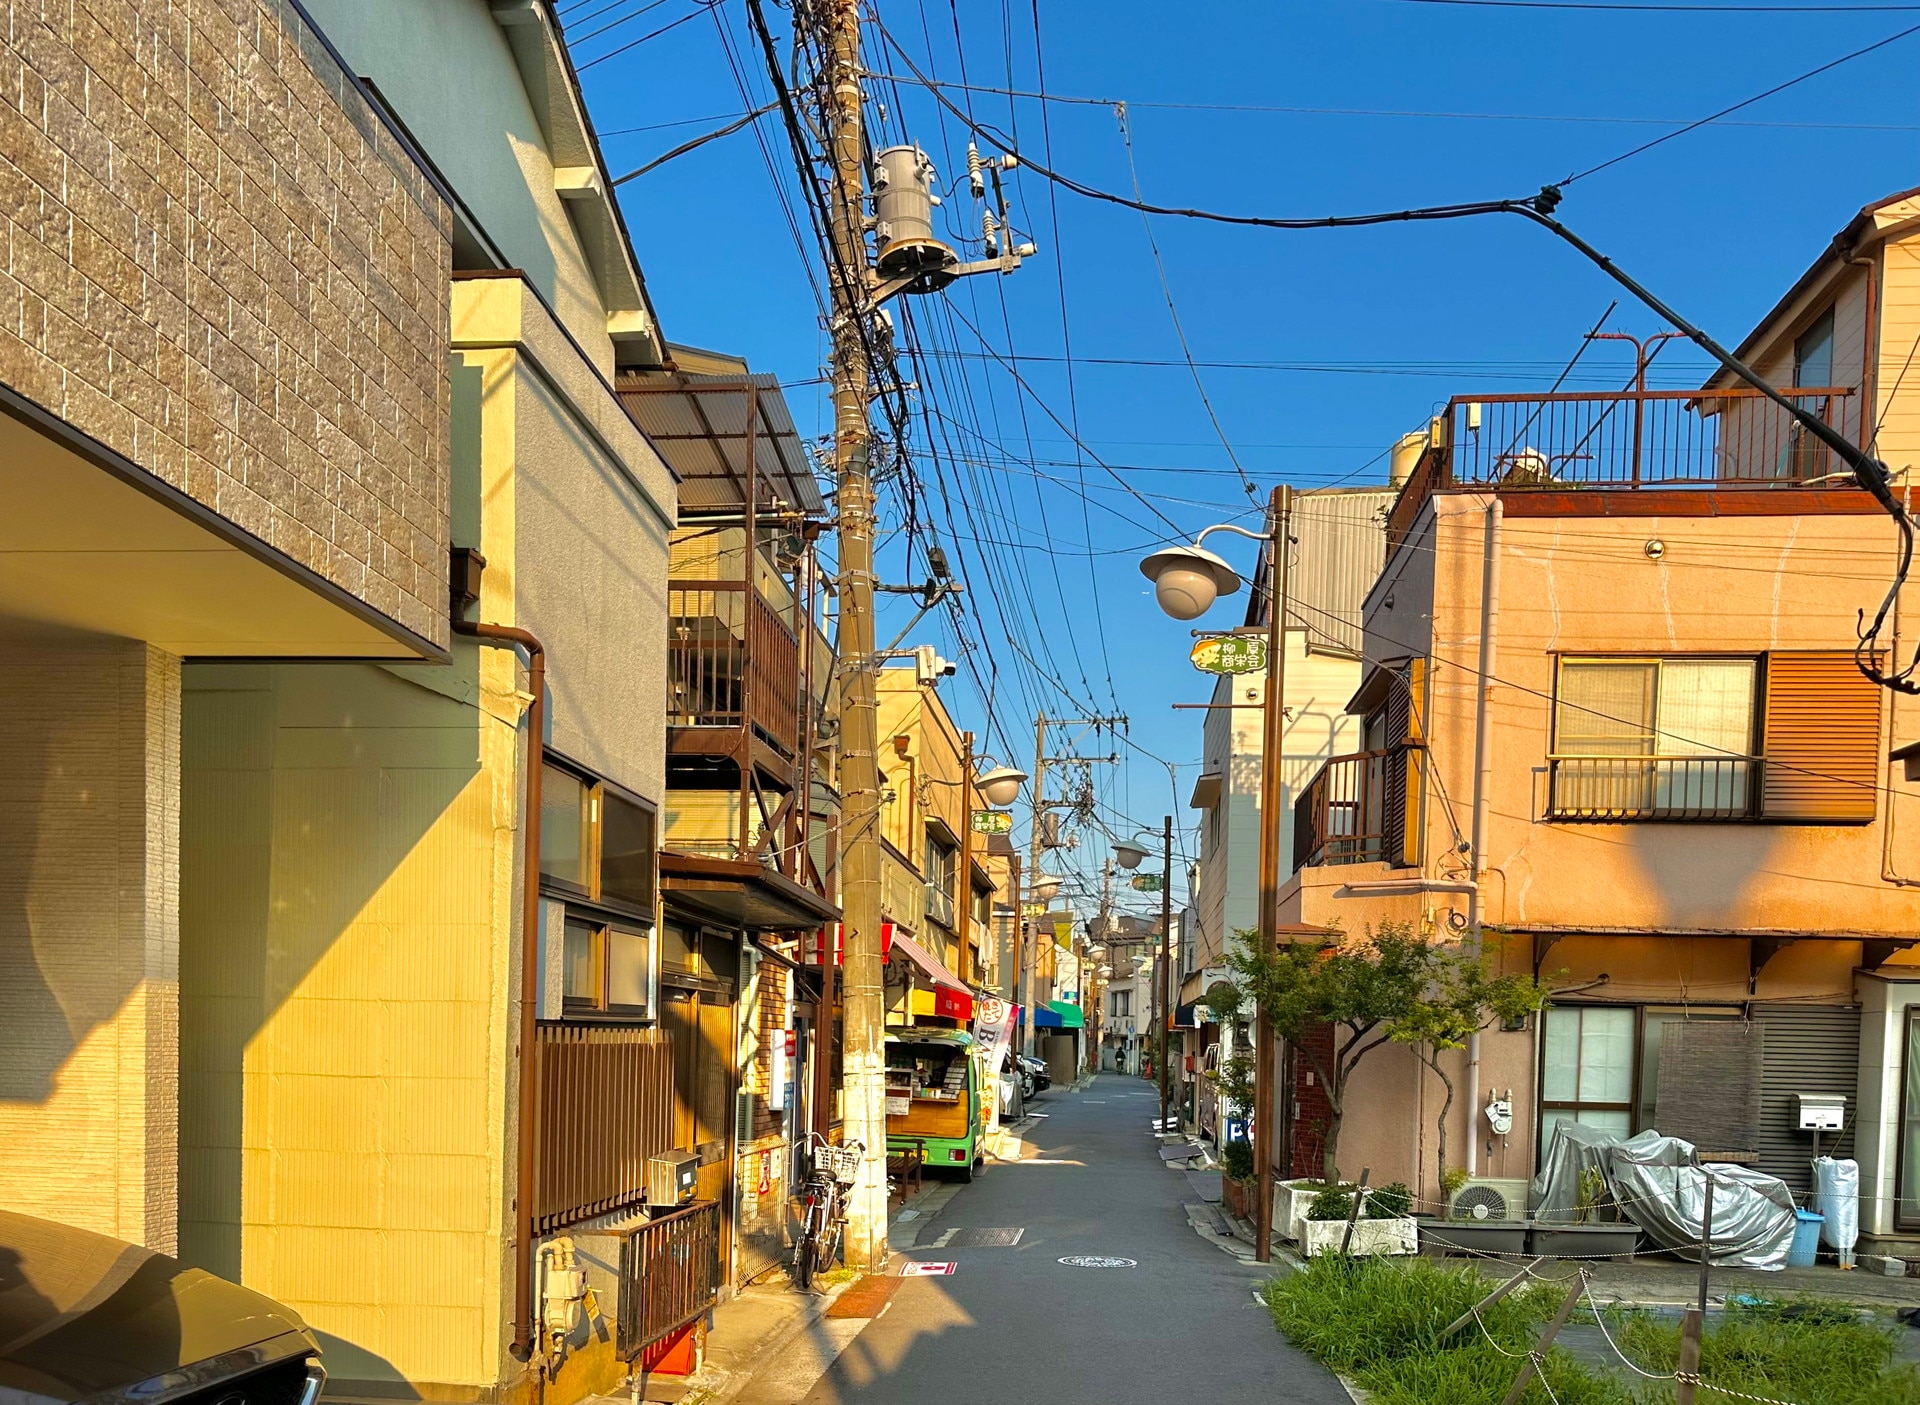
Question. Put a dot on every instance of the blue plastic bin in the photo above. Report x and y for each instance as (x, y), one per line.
(1806, 1238)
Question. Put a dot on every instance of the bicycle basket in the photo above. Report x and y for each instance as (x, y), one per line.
(841, 1162)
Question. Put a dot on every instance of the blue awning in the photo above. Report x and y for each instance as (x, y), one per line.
(1043, 1018)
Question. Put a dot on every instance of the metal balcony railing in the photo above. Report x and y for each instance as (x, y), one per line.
(606, 1106)
(1652, 787)
(1340, 815)
(669, 1275)
(1734, 438)
(732, 662)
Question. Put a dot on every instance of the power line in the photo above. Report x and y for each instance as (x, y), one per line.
(1076, 100)
(696, 143)
(1749, 102)
(701, 6)
(1626, 7)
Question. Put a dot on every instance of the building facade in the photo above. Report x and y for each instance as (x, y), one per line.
(1692, 832)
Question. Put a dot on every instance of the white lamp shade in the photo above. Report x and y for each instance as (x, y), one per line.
(1128, 855)
(1188, 579)
(1001, 786)
(1044, 886)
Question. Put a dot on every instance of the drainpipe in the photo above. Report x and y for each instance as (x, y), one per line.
(503, 636)
(1482, 801)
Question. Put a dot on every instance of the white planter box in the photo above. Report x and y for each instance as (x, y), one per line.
(1290, 1201)
(1401, 1236)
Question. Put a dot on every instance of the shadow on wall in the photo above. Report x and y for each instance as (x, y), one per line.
(304, 788)
(75, 844)
(1704, 882)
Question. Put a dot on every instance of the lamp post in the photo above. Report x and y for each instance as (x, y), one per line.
(1129, 855)
(999, 786)
(1186, 581)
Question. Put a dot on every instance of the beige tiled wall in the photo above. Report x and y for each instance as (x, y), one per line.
(217, 262)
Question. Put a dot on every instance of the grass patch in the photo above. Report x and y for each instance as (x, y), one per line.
(1378, 1321)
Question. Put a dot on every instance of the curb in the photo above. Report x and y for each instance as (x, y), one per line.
(728, 1383)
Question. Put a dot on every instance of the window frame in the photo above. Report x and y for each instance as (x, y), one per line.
(1906, 1211)
(592, 907)
(1639, 1094)
(1754, 754)
(1825, 320)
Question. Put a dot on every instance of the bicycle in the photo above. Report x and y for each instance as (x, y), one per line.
(824, 1205)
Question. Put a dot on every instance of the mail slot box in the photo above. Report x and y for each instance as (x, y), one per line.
(670, 1179)
(1822, 1112)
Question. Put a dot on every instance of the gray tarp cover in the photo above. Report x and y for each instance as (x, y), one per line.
(1659, 1184)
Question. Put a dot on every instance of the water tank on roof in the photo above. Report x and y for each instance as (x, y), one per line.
(1406, 457)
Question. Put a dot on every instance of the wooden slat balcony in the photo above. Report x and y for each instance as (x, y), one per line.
(1340, 816)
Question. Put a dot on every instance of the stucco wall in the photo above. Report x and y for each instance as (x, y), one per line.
(575, 513)
(220, 265)
(89, 938)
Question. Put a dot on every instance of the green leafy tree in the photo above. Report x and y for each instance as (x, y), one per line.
(1393, 987)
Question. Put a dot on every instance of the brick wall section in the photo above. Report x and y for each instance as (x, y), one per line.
(1311, 1111)
(215, 260)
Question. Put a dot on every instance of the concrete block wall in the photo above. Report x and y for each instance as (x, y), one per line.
(218, 263)
(89, 938)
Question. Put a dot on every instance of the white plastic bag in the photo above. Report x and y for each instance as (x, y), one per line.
(1836, 1195)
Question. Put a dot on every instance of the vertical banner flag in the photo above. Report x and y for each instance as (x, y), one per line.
(993, 1021)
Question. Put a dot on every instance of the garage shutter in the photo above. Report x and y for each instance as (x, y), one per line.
(1822, 739)
(1809, 1049)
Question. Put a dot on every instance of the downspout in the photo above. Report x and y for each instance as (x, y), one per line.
(503, 636)
(1482, 801)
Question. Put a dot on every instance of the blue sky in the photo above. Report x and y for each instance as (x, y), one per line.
(1377, 326)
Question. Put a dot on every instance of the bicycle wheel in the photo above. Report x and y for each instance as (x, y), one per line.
(804, 1251)
(827, 1248)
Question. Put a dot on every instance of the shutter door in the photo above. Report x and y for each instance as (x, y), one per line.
(1809, 1049)
(1393, 818)
(1822, 739)
(1708, 1091)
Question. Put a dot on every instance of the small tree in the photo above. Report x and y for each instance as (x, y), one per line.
(1393, 987)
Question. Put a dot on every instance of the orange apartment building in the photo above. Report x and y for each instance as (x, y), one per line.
(1693, 832)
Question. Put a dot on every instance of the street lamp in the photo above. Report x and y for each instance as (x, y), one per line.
(1129, 854)
(1044, 887)
(1186, 581)
(1000, 787)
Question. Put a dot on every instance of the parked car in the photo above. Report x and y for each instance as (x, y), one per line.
(1035, 1077)
(88, 1317)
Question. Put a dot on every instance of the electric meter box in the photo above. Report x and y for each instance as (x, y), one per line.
(1822, 1112)
(670, 1180)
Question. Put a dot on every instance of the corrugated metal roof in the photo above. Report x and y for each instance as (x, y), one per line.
(699, 425)
(1340, 547)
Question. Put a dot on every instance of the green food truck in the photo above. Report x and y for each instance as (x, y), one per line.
(934, 1100)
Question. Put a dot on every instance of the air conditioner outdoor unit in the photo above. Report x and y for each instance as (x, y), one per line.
(1489, 1198)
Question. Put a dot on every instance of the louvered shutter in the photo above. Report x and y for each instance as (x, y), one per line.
(1405, 741)
(1822, 739)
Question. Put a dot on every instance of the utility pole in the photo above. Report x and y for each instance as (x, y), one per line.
(864, 1005)
(1272, 769)
(1165, 1012)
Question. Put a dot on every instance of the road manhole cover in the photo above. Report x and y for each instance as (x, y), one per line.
(1097, 1261)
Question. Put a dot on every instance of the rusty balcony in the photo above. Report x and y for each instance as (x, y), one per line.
(1701, 440)
(733, 662)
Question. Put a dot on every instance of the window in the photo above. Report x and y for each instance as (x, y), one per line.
(1654, 739)
(605, 968)
(1122, 1003)
(1675, 739)
(1813, 354)
(1906, 1208)
(942, 870)
(1588, 1073)
(597, 842)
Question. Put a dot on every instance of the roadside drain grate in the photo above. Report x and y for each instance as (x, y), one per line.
(977, 1239)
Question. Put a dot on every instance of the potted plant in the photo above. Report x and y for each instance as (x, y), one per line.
(1595, 1232)
(1236, 1178)
(1385, 1224)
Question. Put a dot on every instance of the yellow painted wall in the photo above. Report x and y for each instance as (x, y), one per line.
(348, 848)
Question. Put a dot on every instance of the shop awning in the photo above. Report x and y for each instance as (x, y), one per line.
(1183, 1017)
(950, 997)
(1070, 1016)
(1045, 1017)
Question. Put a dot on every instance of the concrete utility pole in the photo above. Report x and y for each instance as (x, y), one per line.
(865, 1110)
(1166, 963)
(1029, 951)
(1272, 783)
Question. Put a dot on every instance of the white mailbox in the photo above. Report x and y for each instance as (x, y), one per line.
(1822, 1112)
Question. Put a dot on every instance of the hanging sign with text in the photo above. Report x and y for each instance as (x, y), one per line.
(1230, 653)
(992, 822)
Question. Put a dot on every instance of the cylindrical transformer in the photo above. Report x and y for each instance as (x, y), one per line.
(903, 215)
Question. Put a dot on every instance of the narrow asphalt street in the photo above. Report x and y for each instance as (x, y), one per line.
(1179, 1323)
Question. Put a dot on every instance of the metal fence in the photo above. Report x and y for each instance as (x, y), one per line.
(669, 1275)
(1652, 787)
(606, 1106)
(731, 662)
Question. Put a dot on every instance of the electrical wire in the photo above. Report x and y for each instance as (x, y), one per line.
(700, 7)
(1631, 7)
(696, 143)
